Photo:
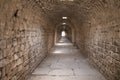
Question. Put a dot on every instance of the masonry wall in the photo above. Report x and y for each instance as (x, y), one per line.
(99, 40)
(23, 39)
(50, 38)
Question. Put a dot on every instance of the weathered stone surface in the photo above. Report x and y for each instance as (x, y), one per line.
(65, 62)
(23, 41)
(101, 42)
(29, 28)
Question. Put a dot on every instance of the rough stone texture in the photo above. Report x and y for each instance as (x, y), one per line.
(101, 41)
(65, 63)
(23, 41)
(28, 31)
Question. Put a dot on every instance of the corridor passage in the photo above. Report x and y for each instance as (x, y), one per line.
(31, 47)
(65, 63)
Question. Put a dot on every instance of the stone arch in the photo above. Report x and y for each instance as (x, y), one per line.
(69, 29)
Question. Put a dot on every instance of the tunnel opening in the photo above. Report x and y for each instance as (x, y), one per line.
(63, 34)
(29, 29)
(64, 30)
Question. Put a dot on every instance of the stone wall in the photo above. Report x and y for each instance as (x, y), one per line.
(23, 39)
(26, 34)
(99, 39)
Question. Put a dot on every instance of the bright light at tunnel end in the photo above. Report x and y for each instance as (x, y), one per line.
(63, 34)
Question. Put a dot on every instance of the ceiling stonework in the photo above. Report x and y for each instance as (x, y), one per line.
(76, 10)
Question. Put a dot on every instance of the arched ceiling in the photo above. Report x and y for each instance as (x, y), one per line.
(57, 9)
(77, 11)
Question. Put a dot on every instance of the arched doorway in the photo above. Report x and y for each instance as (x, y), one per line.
(63, 34)
(63, 31)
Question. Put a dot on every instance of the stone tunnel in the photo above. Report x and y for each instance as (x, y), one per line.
(59, 39)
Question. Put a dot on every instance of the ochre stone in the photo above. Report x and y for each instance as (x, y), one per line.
(30, 28)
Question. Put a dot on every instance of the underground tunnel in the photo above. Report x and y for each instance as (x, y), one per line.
(59, 39)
